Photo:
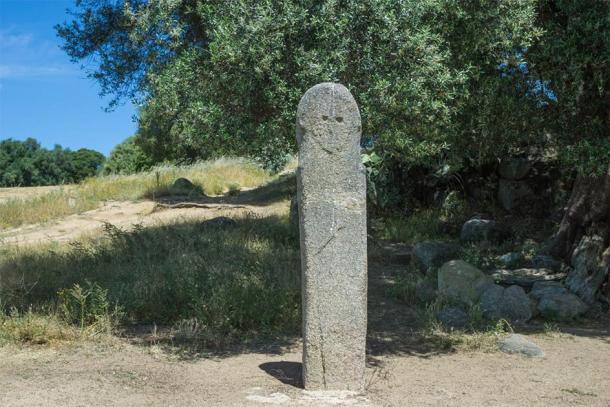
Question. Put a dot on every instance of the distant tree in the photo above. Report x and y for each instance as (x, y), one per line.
(26, 163)
(87, 163)
(127, 158)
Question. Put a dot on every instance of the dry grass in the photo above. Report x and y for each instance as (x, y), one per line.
(211, 177)
(31, 328)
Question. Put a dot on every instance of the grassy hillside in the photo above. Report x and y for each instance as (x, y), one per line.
(211, 177)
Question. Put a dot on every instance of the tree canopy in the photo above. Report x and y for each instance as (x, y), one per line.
(126, 158)
(442, 84)
(26, 163)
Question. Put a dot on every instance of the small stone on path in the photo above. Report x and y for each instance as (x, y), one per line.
(516, 343)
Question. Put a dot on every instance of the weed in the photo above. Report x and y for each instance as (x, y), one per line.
(32, 328)
(88, 307)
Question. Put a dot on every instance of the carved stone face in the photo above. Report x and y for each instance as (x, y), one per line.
(329, 118)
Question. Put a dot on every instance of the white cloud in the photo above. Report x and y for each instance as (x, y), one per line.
(27, 71)
(8, 40)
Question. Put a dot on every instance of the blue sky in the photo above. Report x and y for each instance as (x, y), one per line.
(42, 94)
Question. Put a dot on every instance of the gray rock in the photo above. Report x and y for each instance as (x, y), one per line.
(431, 255)
(511, 193)
(462, 282)
(183, 184)
(476, 230)
(516, 343)
(509, 303)
(514, 168)
(547, 262)
(510, 260)
(332, 210)
(545, 288)
(525, 277)
(453, 317)
(591, 266)
(561, 307)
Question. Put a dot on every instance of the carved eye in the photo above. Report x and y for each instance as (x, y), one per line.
(339, 119)
(324, 118)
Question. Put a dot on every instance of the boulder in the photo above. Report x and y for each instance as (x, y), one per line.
(546, 262)
(542, 289)
(509, 303)
(561, 307)
(510, 260)
(516, 343)
(184, 185)
(453, 317)
(510, 193)
(591, 265)
(514, 168)
(462, 282)
(431, 255)
(476, 230)
(525, 277)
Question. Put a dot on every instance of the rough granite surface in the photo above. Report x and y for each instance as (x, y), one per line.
(332, 223)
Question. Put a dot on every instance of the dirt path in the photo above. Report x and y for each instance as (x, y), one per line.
(575, 372)
(125, 215)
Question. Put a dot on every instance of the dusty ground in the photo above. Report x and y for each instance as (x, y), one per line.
(403, 369)
(575, 372)
(124, 215)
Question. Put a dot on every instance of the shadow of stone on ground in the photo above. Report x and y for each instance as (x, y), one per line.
(286, 372)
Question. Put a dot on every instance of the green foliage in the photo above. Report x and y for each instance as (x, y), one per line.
(32, 328)
(454, 209)
(571, 58)
(26, 163)
(127, 158)
(218, 78)
(88, 306)
(233, 280)
(423, 224)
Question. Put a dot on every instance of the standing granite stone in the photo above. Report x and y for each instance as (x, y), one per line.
(332, 214)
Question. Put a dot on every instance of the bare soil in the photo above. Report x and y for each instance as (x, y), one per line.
(575, 372)
(125, 215)
(143, 369)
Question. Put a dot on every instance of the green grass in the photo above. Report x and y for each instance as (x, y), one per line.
(233, 282)
(211, 177)
(35, 328)
(425, 224)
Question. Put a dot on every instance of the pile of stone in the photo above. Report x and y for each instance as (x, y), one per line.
(464, 285)
(512, 188)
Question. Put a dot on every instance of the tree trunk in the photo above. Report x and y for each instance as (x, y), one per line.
(587, 212)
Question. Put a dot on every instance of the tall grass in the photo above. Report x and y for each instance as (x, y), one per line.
(232, 280)
(212, 177)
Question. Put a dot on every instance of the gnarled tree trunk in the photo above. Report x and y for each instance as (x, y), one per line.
(587, 212)
(583, 238)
